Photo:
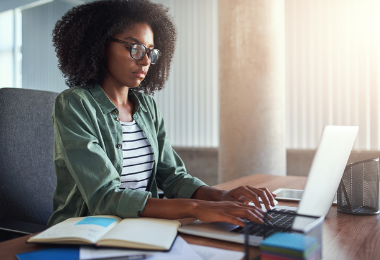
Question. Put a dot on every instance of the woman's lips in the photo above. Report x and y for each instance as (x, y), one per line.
(140, 74)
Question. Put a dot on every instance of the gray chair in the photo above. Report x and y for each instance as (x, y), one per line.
(27, 178)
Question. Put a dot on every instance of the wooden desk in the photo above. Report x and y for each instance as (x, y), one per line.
(344, 236)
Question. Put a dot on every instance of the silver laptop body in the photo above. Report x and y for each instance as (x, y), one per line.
(324, 176)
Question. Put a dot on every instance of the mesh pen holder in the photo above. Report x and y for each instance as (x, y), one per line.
(358, 191)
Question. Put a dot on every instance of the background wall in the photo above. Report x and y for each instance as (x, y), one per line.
(190, 100)
(333, 69)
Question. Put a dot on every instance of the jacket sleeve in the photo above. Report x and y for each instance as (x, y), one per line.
(172, 176)
(80, 152)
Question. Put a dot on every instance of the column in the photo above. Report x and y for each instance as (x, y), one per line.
(252, 88)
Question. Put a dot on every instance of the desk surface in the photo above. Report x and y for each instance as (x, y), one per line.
(344, 236)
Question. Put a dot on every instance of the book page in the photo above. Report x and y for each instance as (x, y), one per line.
(211, 253)
(147, 233)
(180, 250)
(84, 229)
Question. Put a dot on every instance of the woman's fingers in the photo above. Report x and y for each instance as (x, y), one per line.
(265, 195)
(255, 216)
(269, 196)
(248, 193)
(232, 212)
(244, 199)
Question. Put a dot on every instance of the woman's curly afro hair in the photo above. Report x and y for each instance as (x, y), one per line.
(80, 39)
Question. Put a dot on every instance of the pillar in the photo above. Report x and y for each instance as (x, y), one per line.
(252, 88)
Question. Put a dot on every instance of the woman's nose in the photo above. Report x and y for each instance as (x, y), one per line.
(145, 60)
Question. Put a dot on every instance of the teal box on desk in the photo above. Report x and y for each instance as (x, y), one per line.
(277, 221)
(290, 246)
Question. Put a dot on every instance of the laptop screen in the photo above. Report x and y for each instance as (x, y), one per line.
(327, 169)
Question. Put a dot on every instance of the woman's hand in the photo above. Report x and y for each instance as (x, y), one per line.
(243, 194)
(227, 211)
(246, 194)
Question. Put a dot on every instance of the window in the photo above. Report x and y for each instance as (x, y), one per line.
(10, 49)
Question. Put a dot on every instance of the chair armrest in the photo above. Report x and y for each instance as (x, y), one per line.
(20, 227)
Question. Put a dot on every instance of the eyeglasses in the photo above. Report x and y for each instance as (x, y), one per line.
(139, 50)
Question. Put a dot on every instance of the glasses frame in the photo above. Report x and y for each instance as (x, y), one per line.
(147, 50)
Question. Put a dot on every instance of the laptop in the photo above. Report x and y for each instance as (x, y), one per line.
(323, 180)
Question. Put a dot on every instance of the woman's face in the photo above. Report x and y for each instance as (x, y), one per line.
(123, 70)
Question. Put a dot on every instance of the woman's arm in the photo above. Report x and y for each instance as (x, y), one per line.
(213, 205)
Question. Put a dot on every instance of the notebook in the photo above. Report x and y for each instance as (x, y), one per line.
(323, 180)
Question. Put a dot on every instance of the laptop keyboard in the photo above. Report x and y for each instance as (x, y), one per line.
(278, 222)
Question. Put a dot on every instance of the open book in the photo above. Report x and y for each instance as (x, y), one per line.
(112, 231)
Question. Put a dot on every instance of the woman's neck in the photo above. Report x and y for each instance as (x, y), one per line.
(119, 96)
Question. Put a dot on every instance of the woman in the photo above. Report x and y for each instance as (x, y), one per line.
(111, 149)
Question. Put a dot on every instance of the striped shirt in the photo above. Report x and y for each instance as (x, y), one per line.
(138, 158)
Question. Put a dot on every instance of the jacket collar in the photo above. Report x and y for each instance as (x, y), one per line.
(106, 105)
(136, 99)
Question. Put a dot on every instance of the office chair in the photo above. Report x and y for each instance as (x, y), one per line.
(27, 177)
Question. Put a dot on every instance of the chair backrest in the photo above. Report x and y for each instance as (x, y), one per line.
(27, 178)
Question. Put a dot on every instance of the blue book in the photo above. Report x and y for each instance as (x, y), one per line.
(68, 253)
(290, 244)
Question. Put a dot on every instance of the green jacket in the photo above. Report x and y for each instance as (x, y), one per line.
(88, 157)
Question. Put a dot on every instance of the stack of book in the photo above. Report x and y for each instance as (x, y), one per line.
(282, 246)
